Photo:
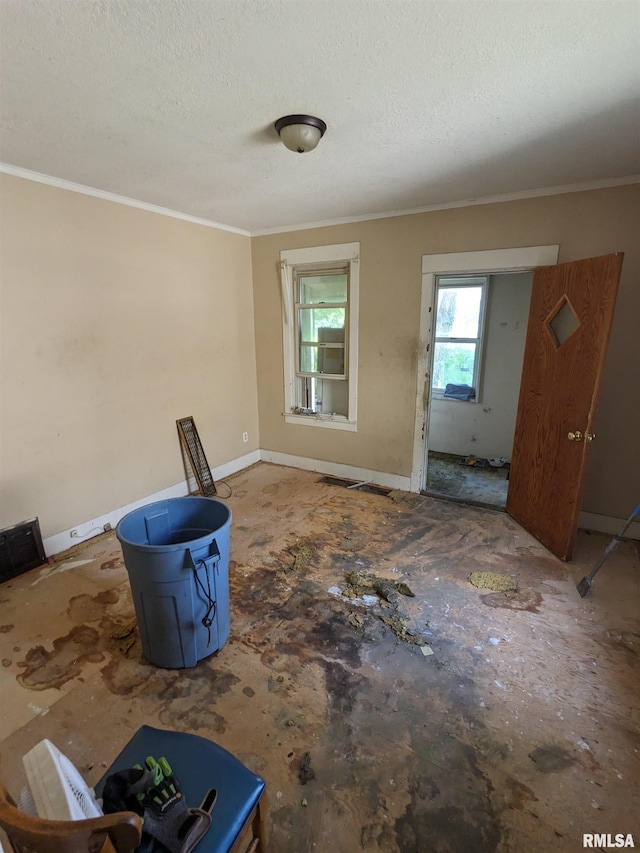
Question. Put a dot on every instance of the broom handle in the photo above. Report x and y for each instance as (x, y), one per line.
(628, 522)
(617, 539)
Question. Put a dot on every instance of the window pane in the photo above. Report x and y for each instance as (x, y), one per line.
(458, 313)
(322, 360)
(322, 288)
(332, 397)
(321, 324)
(308, 359)
(453, 363)
(323, 396)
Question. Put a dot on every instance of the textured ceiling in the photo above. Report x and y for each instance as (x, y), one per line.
(172, 102)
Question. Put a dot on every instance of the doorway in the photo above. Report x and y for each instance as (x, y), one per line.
(477, 353)
(492, 263)
(569, 323)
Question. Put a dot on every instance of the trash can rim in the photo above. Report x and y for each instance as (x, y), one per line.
(194, 544)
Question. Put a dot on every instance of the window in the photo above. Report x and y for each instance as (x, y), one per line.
(320, 335)
(457, 351)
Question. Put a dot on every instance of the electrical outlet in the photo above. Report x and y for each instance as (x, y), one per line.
(245, 436)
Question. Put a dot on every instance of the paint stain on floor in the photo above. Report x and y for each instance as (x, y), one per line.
(42, 669)
(520, 600)
(551, 759)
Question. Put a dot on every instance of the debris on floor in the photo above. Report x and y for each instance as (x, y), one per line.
(399, 626)
(123, 631)
(396, 495)
(303, 553)
(356, 620)
(305, 773)
(492, 580)
(368, 589)
(473, 462)
(125, 636)
(408, 500)
(366, 583)
(364, 601)
(413, 753)
(498, 462)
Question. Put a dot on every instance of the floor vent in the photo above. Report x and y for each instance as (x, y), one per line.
(20, 549)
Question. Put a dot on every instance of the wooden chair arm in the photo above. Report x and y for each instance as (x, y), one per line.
(124, 829)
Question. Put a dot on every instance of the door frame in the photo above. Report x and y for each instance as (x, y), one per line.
(491, 261)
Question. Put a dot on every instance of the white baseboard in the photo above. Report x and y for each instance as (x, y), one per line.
(607, 524)
(337, 469)
(236, 465)
(87, 529)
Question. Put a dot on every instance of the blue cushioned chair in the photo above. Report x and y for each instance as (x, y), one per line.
(237, 824)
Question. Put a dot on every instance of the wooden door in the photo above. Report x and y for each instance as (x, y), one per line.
(569, 324)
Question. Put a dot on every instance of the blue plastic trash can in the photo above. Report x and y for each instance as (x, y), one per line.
(176, 553)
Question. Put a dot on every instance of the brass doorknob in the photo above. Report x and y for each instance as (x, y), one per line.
(575, 436)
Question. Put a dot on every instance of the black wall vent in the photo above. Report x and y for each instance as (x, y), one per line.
(20, 549)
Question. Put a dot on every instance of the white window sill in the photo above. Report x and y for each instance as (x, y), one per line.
(326, 421)
(439, 395)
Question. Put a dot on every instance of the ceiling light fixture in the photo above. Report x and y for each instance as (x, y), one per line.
(300, 133)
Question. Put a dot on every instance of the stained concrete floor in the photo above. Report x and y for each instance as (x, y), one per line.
(519, 733)
(448, 478)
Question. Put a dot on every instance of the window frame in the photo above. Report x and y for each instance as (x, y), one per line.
(459, 281)
(320, 259)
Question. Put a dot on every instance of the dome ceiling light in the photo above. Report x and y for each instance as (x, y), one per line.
(299, 132)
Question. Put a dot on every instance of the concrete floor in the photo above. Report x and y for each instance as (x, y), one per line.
(448, 478)
(519, 733)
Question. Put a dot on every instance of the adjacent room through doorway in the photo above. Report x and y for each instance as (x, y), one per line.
(478, 349)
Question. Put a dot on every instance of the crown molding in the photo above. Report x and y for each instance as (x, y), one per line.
(61, 184)
(51, 181)
(491, 199)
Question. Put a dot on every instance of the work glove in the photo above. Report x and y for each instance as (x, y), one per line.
(154, 792)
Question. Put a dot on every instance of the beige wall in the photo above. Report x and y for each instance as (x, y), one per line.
(115, 322)
(585, 224)
(487, 428)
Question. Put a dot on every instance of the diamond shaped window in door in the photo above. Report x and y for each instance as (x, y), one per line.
(562, 322)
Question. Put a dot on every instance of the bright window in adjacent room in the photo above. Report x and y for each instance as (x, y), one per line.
(320, 316)
(457, 351)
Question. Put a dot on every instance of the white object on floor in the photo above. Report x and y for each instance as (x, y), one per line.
(59, 792)
(498, 462)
